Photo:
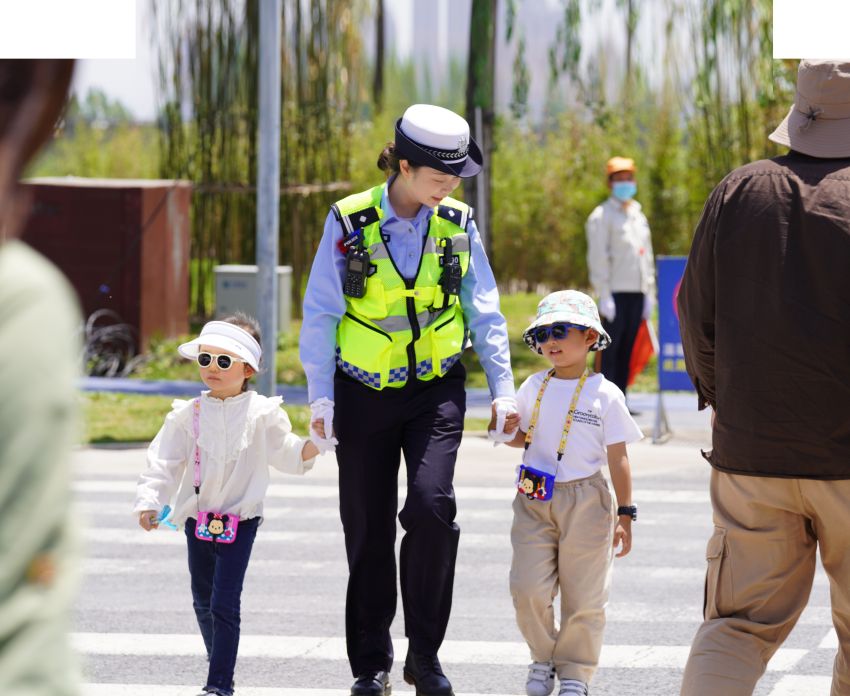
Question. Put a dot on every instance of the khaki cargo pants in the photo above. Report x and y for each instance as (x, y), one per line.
(564, 543)
(761, 563)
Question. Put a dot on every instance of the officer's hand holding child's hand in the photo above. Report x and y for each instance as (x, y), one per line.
(321, 425)
(623, 535)
(504, 419)
(148, 520)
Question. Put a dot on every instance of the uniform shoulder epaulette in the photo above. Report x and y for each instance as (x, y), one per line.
(356, 220)
(458, 216)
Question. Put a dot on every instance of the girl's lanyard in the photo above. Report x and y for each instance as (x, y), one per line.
(196, 428)
(569, 420)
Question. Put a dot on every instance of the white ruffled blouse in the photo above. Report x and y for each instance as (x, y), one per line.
(239, 437)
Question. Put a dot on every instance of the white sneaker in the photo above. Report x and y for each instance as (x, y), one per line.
(572, 687)
(541, 679)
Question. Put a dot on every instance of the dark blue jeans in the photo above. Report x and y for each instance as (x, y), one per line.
(217, 572)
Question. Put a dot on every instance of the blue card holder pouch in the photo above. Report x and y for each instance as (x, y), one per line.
(535, 484)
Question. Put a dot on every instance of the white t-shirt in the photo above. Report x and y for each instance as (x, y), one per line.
(601, 419)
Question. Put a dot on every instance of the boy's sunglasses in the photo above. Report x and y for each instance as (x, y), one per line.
(224, 362)
(557, 331)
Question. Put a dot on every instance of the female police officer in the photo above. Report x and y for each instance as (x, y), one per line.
(398, 284)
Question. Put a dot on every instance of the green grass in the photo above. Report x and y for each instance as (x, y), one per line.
(137, 418)
(117, 418)
(109, 417)
(126, 418)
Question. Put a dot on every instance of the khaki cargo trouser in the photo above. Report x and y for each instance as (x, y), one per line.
(565, 543)
(761, 564)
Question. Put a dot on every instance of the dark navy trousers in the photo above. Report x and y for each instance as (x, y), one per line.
(424, 421)
(217, 572)
(624, 328)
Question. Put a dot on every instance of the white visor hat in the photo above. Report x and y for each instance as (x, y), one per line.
(229, 337)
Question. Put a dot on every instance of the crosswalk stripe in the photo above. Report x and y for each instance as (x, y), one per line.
(830, 641)
(279, 567)
(788, 685)
(320, 491)
(176, 690)
(304, 511)
(133, 536)
(98, 510)
(799, 685)
(452, 651)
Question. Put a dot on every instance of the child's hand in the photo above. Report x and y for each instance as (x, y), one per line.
(308, 451)
(148, 520)
(623, 535)
(511, 422)
(319, 427)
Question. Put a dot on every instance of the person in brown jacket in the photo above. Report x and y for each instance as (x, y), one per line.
(764, 308)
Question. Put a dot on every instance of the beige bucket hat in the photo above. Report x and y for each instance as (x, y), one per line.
(818, 123)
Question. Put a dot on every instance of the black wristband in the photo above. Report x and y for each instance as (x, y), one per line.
(630, 510)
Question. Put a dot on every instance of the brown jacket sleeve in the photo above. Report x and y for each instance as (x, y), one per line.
(696, 302)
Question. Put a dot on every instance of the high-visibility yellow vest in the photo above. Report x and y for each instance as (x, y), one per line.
(399, 329)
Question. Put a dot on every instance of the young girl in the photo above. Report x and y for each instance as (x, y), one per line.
(214, 452)
(564, 528)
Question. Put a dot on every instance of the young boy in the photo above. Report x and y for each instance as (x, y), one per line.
(565, 528)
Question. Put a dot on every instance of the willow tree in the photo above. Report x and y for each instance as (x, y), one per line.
(740, 92)
(480, 110)
(207, 54)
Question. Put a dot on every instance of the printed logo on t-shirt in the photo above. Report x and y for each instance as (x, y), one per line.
(587, 417)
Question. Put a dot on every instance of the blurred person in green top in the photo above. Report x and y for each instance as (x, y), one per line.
(39, 321)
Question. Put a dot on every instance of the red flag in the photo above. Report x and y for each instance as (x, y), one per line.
(642, 351)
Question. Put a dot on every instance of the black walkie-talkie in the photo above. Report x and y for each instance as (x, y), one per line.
(356, 270)
(452, 276)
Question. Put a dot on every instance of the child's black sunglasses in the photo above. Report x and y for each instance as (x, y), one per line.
(557, 331)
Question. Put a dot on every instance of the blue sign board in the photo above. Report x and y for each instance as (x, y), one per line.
(672, 375)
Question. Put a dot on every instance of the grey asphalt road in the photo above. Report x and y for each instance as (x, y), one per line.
(135, 629)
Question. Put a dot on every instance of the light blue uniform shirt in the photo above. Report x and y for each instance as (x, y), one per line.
(324, 303)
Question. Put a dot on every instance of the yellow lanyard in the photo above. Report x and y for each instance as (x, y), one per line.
(567, 423)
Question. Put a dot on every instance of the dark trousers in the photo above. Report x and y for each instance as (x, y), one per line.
(424, 420)
(217, 572)
(624, 328)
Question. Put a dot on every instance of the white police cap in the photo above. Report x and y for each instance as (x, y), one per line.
(438, 138)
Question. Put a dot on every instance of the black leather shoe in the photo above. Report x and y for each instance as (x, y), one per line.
(372, 684)
(425, 673)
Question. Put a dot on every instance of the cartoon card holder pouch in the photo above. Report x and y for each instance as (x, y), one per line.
(535, 484)
(217, 527)
(211, 526)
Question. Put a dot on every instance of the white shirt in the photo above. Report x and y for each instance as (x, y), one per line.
(239, 437)
(619, 249)
(601, 419)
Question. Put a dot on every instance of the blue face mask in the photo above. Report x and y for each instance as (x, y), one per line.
(624, 190)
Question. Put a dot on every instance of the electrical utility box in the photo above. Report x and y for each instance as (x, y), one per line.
(236, 290)
(122, 243)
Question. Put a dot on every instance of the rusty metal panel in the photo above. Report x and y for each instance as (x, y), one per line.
(124, 245)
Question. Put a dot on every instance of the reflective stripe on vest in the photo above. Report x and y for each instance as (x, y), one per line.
(401, 328)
